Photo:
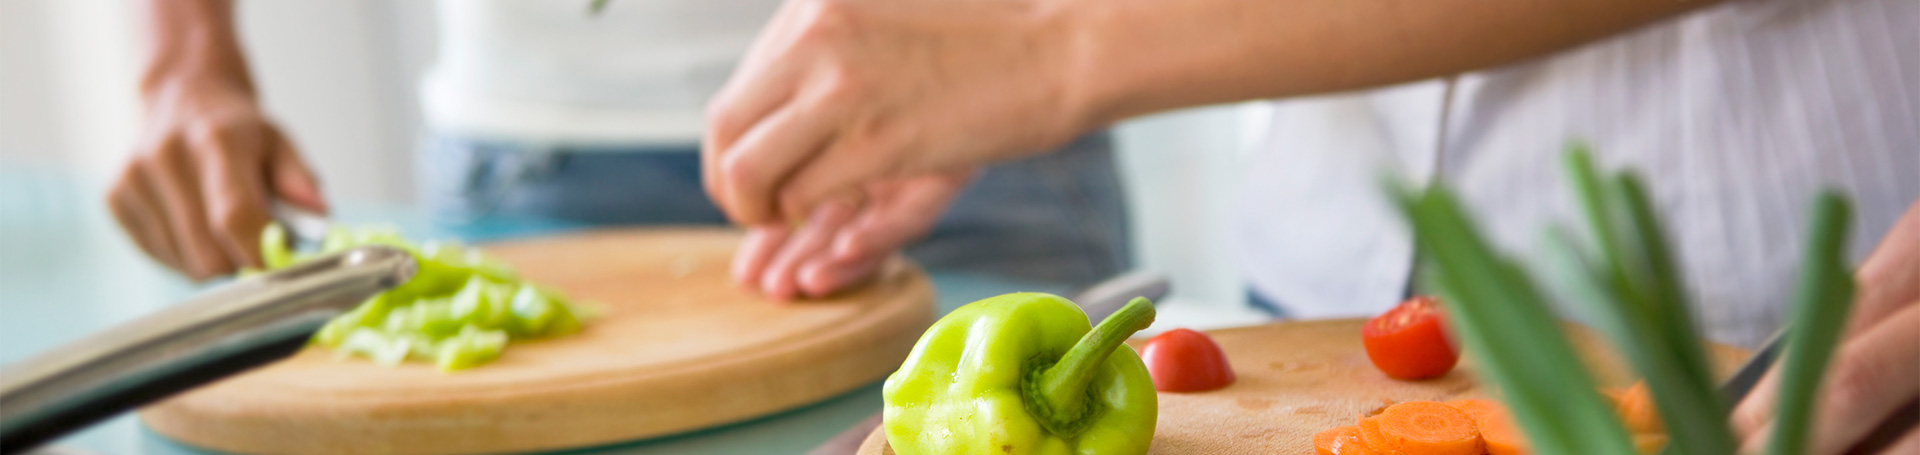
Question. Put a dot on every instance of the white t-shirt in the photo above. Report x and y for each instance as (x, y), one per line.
(1735, 115)
(547, 71)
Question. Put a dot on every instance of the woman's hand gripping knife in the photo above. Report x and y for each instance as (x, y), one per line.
(1022, 374)
(1876, 370)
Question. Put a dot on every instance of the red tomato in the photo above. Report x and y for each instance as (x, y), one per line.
(1182, 360)
(1409, 342)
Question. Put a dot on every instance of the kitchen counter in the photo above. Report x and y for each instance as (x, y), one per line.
(67, 271)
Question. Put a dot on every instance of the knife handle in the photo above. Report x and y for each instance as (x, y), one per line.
(232, 328)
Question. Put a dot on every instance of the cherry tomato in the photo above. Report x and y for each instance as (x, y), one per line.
(1409, 341)
(1182, 360)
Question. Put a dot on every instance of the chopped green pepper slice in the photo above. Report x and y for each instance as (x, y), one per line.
(460, 310)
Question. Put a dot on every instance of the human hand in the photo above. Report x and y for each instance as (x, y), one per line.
(1876, 369)
(841, 245)
(195, 194)
(836, 94)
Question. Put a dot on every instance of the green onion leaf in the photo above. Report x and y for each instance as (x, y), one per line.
(1502, 318)
(1636, 298)
(1820, 307)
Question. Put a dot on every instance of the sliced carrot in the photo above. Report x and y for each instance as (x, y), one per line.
(1637, 410)
(1371, 436)
(1649, 443)
(1426, 428)
(1476, 407)
(1496, 426)
(1341, 441)
(1323, 441)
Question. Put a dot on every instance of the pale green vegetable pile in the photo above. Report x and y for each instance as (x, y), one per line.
(460, 310)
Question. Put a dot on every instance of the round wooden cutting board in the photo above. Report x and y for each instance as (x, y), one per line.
(1295, 379)
(678, 348)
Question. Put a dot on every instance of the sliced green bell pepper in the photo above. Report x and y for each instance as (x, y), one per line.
(1023, 374)
(460, 310)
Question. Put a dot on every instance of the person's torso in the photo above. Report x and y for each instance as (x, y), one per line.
(548, 71)
(1736, 115)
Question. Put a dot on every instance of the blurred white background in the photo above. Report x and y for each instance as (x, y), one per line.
(340, 76)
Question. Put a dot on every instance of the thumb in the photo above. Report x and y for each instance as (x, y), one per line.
(292, 180)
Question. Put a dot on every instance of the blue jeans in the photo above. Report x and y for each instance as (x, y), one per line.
(1056, 218)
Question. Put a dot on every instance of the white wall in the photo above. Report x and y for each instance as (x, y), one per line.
(339, 75)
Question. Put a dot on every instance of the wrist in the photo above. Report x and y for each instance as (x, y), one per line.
(1063, 28)
(1091, 82)
(194, 47)
(165, 74)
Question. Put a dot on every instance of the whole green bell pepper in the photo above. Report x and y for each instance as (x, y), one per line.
(1022, 374)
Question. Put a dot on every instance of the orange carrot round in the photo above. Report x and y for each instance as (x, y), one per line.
(1424, 428)
(1370, 436)
(1497, 430)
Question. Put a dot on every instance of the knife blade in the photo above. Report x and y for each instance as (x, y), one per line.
(226, 330)
(304, 226)
(1098, 301)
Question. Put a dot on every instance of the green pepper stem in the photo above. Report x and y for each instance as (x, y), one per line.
(1064, 385)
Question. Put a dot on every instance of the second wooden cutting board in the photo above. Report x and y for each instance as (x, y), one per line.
(1299, 378)
(678, 348)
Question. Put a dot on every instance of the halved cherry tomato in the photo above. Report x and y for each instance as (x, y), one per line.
(1182, 360)
(1409, 341)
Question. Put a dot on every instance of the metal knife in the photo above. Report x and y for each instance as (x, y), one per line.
(304, 226)
(1098, 301)
(1741, 384)
(232, 328)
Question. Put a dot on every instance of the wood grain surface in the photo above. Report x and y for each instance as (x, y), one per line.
(678, 348)
(1299, 378)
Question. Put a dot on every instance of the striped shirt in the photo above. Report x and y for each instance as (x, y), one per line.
(1736, 115)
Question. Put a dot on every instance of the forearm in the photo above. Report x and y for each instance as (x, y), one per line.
(1130, 57)
(192, 40)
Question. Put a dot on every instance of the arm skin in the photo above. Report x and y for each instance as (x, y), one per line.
(837, 93)
(194, 195)
(193, 39)
(1142, 56)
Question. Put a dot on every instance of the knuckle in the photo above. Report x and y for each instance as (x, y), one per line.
(1852, 385)
(737, 170)
(840, 87)
(823, 21)
(206, 132)
(867, 137)
(125, 184)
(160, 152)
(723, 120)
(1748, 417)
(236, 220)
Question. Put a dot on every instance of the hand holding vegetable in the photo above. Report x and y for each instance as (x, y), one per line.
(836, 94)
(1023, 374)
(194, 196)
(841, 245)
